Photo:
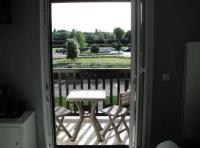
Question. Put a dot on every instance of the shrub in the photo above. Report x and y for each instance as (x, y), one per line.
(117, 46)
(94, 48)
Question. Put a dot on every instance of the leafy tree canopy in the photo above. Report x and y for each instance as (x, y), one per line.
(118, 33)
(85, 39)
(71, 46)
(79, 37)
(127, 36)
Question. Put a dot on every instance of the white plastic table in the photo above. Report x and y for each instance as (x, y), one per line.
(93, 96)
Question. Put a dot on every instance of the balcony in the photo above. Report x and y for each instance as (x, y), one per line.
(113, 81)
(89, 138)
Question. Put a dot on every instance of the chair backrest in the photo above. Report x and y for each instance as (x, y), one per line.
(124, 99)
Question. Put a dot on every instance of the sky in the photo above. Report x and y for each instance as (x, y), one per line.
(86, 17)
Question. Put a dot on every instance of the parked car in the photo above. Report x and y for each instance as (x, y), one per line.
(115, 52)
(104, 50)
(127, 50)
(112, 49)
(61, 50)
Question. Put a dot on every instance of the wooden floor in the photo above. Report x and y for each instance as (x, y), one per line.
(87, 134)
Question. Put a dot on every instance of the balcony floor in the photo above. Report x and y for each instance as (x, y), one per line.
(87, 134)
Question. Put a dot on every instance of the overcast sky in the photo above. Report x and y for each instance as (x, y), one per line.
(87, 17)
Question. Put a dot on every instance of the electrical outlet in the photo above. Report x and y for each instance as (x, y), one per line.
(165, 77)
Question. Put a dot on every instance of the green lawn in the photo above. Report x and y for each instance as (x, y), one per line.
(96, 62)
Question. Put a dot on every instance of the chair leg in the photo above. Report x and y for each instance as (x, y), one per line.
(107, 126)
(116, 127)
(111, 123)
(120, 121)
(60, 125)
(57, 129)
(126, 126)
(116, 132)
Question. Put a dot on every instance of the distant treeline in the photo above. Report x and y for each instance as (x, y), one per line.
(103, 39)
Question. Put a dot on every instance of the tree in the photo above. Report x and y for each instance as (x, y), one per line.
(81, 40)
(71, 46)
(54, 34)
(94, 48)
(109, 36)
(62, 34)
(79, 37)
(89, 37)
(99, 37)
(118, 33)
(59, 37)
(117, 46)
(127, 36)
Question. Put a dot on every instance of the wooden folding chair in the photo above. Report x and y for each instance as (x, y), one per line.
(118, 111)
(60, 113)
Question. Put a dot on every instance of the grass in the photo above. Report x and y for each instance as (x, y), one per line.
(94, 62)
(113, 60)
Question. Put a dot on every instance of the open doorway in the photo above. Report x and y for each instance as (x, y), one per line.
(101, 61)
